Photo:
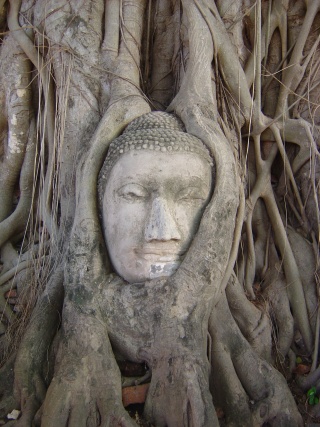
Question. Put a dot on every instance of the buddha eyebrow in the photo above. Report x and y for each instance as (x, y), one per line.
(146, 181)
(198, 181)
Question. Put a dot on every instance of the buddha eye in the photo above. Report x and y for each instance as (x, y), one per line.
(192, 194)
(132, 192)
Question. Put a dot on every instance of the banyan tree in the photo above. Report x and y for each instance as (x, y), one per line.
(198, 122)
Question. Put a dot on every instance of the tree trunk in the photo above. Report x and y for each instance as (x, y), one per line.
(243, 77)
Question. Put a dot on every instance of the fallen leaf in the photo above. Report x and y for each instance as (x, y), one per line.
(301, 369)
(134, 394)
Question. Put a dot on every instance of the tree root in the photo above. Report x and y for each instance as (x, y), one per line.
(16, 113)
(31, 367)
(252, 322)
(179, 394)
(46, 82)
(252, 384)
(276, 294)
(85, 362)
(161, 50)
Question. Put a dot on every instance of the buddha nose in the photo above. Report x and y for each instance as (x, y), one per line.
(161, 224)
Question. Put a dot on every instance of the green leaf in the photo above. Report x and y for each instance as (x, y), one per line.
(312, 391)
(298, 360)
(312, 397)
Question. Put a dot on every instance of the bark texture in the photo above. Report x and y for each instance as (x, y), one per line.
(243, 76)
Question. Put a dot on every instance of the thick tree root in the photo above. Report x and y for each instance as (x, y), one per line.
(32, 367)
(253, 323)
(179, 394)
(86, 388)
(256, 392)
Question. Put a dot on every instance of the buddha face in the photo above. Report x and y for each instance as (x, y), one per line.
(152, 207)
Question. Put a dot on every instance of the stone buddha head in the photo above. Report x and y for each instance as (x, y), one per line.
(154, 186)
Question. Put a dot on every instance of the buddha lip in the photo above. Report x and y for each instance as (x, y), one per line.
(160, 251)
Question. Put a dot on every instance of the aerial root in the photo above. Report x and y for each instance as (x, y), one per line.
(253, 323)
(264, 392)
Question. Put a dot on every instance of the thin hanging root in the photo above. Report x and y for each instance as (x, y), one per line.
(315, 192)
(149, 25)
(305, 87)
(263, 176)
(251, 257)
(258, 58)
(110, 45)
(316, 343)
(15, 115)
(288, 170)
(199, 64)
(236, 239)
(15, 270)
(277, 19)
(299, 132)
(260, 230)
(132, 15)
(289, 76)
(125, 80)
(241, 262)
(48, 90)
(230, 65)
(18, 220)
(295, 288)
(6, 311)
(162, 53)
(266, 258)
(263, 189)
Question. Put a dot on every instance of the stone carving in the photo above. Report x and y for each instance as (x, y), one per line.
(154, 186)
